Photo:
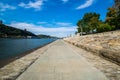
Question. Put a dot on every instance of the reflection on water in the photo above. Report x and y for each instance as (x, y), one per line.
(13, 47)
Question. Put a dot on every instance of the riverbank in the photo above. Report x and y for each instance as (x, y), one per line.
(4, 62)
(20, 64)
(12, 49)
(105, 45)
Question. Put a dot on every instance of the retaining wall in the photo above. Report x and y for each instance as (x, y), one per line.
(106, 45)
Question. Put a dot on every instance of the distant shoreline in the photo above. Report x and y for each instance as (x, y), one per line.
(25, 38)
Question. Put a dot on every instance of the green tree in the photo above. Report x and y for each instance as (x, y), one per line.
(82, 26)
(113, 17)
(79, 26)
(89, 22)
(104, 27)
(94, 23)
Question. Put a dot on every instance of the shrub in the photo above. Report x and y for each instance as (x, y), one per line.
(104, 27)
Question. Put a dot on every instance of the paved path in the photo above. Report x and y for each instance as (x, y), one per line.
(61, 62)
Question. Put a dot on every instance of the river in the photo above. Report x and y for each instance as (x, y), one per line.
(13, 47)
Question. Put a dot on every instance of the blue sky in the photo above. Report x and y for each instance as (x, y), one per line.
(50, 17)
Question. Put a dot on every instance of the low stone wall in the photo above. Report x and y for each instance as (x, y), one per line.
(106, 45)
(15, 68)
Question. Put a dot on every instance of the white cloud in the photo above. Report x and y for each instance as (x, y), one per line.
(63, 24)
(38, 29)
(4, 7)
(86, 4)
(37, 5)
(64, 1)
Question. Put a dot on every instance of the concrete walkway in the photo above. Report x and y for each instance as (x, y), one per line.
(61, 62)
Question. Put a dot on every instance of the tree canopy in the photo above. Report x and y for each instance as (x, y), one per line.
(113, 17)
(89, 22)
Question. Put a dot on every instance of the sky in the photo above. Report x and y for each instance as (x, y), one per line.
(50, 17)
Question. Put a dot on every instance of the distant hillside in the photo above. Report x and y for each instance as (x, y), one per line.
(44, 36)
(11, 32)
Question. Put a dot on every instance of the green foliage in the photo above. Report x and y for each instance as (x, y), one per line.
(44, 36)
(113, 17)
(104, 27)
(13, 32)
(94, 22)
(89, 22)
(87, 17)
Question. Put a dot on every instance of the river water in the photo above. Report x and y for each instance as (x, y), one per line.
(12, 47)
